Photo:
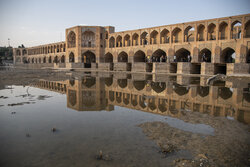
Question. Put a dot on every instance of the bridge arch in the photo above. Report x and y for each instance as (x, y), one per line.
(176, 35)
(122, 83)
(211, 31)
(139, 85)
(111, 42)
(71, 57)
(50, 59)
(135, 39)
(183, 55)
(228, 55)
(236, 30)
(119, 41)
(158, 87)
(205, 55)
(144, 38)
(71, 38)
(88, 57)
(44, 59)
(223, 31)
(123, 57)
(126, 40)
(159, 56)
(165, 36)
(153, 37)
(139, 56)
(89, 82)
(107, 58)
(189, 34)
(63, 59)
(201, 33)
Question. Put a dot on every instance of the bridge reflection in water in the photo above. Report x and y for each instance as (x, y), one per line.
(165, 95)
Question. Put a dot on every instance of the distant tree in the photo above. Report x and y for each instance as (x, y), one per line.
(21, 46)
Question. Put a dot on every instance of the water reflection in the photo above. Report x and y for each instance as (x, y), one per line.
(164, 95)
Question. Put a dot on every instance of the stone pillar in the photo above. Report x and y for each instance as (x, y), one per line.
(207, 68)
(183, 68)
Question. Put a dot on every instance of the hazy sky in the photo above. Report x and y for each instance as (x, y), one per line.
(36, 22)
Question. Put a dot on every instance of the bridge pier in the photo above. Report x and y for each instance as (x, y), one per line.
(238, 68)
(105, 66)
(122, 66)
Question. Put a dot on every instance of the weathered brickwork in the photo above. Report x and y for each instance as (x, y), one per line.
(212, 46)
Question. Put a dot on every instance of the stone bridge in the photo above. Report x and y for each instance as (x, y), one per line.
(206, 47)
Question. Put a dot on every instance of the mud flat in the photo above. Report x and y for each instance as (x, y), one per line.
(228, 146)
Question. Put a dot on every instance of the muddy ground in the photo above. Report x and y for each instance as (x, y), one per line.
(229, 146)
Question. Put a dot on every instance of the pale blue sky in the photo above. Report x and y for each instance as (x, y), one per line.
(35, 22)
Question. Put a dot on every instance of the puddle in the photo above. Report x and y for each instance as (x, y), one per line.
(125, 117)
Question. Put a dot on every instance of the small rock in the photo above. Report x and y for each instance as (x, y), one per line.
(53, 129)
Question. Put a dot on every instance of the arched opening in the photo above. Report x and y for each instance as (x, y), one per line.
(50, 59)
(89, 81)
(158, 87)
(107, 58)
(71, 40)
(71, 57)
(122, 83)
(118, 97)
(135, 39)
(119, 41)
(247, 29)
(88, 39)
(189, 34)
(236, 30)
(139, 85)
(44, 59)
(88, 58)
(183, 55)
(123, 57)
(201, 33)
(111, 42)
(225, 93)
(211, 32)
(142, 101)
(159, 56)
(205, 55)
(153, 37)
(176, 35)
(139, 56)
(109, 81)
(126, 98)
(203, 91)
(24, 52)
(165, 36)
(151, 104)
(56, 60)
(40, 60)
(180, 90)
(63, 59)
(162, 105)
(223, 31)
(18, 52)
(144, 38)
(134, 100)
(228, 55)
(127, 40)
